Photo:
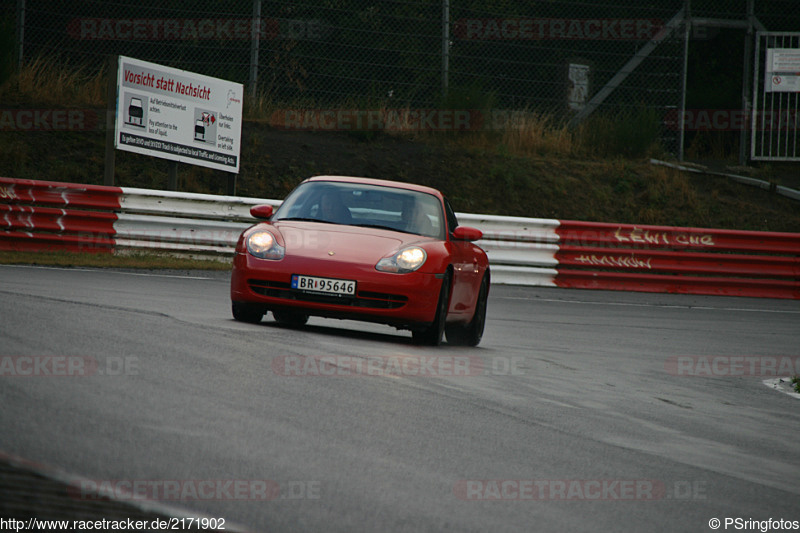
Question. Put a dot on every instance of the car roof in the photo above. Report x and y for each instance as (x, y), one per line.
(377, 182)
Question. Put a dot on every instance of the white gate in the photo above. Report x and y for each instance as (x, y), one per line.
(774, 122)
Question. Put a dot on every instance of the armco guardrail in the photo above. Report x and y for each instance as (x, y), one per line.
(44, 215)
(41, 215)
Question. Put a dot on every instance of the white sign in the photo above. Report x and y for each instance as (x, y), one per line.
(578, 90)
(178, 115)
(783, 83)
(783, 70)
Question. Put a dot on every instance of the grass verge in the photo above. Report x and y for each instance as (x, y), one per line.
(137, 260)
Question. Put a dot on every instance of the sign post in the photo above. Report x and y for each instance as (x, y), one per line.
(111, 112)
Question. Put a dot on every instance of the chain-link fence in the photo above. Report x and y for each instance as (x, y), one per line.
(567, 58)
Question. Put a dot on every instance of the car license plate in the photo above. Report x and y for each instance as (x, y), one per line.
(342, 287)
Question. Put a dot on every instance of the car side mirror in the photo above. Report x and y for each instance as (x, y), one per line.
(465, 233)
(261, 211)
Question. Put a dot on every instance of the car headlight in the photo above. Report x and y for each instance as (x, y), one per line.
(406, 260)
(262, 244)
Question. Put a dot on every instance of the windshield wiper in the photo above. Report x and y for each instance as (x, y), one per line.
(380, 226)
(307, 219)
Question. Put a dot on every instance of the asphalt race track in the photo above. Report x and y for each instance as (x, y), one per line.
(578, 411)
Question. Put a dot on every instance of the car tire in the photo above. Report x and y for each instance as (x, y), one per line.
(244, 312)
(471, 334)
(432, 335)
(290, 318)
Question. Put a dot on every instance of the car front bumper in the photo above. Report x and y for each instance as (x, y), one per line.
(402, 300)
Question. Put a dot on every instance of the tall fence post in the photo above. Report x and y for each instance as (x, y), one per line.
(445, 46)
(255, 42)
(687, 13)
(747, 72)
(20, 33)
(172, 176)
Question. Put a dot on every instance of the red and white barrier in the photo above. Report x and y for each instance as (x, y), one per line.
(41, 215)
(37, 215)
(678, 260)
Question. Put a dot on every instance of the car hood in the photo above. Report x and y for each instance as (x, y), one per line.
(350, 243)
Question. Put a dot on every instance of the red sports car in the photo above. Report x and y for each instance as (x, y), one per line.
(364, 249)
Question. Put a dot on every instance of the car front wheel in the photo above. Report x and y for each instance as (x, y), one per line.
(244, 312)
(471, 334)
(432, 335)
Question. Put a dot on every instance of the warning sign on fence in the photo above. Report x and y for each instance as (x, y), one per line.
(783, 70)
(178, 115)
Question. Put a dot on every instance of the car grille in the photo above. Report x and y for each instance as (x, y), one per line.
(363, 299)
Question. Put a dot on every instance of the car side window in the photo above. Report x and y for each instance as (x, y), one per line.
(452, 221)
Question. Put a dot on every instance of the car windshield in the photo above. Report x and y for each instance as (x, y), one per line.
(364, 205)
